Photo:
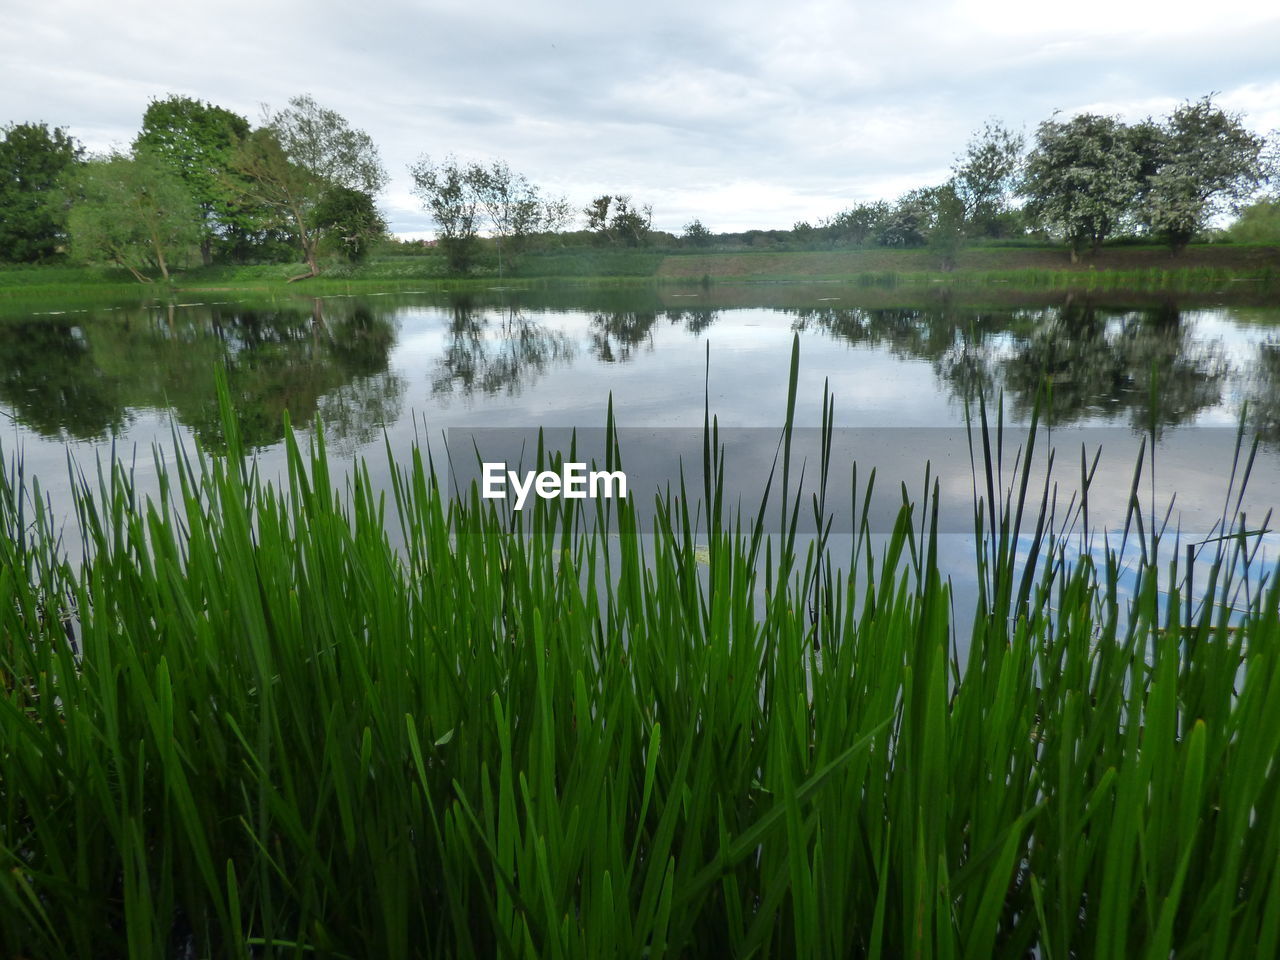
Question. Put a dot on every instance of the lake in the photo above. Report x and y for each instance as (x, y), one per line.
(899, 363)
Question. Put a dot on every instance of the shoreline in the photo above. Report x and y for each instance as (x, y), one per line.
(1030, 268)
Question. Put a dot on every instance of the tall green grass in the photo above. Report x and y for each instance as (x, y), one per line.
(560, 735)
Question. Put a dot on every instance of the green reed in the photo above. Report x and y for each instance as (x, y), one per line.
(566, 735)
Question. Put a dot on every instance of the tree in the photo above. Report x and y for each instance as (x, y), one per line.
(615, 219)
(985, 177)
(444, 191)
(303, 152)
(460, 196)
(907, 223)
(350, 222)
(1081, 178)
(1207, 161)
(697, 235)
(597, 214)
(857, 224)
(132, 211)
(507, 199)
(33, 158)
(948, 218)
(557, 213)
(198, 141)
(1258, 223)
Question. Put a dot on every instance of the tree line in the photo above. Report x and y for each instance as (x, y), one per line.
(1080, 181)
(303, 184)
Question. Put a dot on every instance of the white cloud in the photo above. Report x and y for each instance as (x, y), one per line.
(742, 114)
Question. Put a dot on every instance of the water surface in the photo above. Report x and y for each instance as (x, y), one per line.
(118, 380)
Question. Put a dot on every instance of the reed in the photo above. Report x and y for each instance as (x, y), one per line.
(279, 732)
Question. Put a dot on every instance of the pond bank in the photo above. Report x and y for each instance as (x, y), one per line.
(1196, 268)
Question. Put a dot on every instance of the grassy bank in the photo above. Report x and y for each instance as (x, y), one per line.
(1018, 264)
(1210, 266)
(553, 737)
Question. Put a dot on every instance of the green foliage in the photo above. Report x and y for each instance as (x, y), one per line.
(697, 235)
(350, 221)
(289, 166)
(198, 141)
(950, 220)
(509, 202)
(280, 734)
(933, 216)
(985, 178)
(133, 211)
(1257, 223)
(616, 220)
(33, 160)
(460, 196)
(454, 207)
(858, 224)
(322, 143)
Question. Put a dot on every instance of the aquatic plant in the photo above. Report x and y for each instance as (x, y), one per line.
(318, 719)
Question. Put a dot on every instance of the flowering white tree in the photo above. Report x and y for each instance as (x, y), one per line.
(1207, 162)
(1081, 178)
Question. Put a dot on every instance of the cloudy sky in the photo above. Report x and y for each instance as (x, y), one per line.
(751, 113)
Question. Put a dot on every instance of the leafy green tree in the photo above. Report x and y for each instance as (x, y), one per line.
(303, 152)
(198, 141)
(631, 224)
(1081, 178)
(557, 213)
(350, 222)
(508, 201)
(802, 231)
(1207, 161)
(133, 211)
(462, 196)
(615, 219)
(858, 224)
(697, 235)
(1258, 223)
(446, 194)
(33, 158)
(932, 216)
(985, 178)
(1147, 141)
(948, 218)
(597, 214)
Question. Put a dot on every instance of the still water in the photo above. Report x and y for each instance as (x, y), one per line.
(120, 379)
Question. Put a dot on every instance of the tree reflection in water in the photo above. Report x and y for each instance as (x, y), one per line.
(1264, 391)
(481, 357)
(1141, 365)
(87, 379)
(616, 336)
(91, 375)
